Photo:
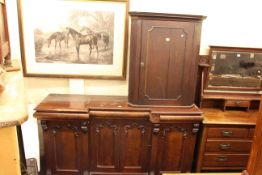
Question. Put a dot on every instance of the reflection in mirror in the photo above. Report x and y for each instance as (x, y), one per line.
(235, 69)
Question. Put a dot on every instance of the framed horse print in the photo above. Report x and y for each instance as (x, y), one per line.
(73, 38)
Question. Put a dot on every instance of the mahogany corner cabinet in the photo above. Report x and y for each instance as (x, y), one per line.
(164, 55)
(84, 135)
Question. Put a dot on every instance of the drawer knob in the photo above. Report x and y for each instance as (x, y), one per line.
(224, 146)
(167, 39)
(221, 158)
(142, 64)
(227, 133)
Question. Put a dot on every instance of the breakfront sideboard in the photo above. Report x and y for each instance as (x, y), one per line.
(104, 135)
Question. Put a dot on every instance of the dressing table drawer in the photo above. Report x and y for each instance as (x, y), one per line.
(227, 132)
(225, 160)
(234, 146)
(237, 103)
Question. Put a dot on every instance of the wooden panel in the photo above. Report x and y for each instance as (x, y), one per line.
(61, 146)
(225, 160)
(105, 146)
(240, 146)
(254, 166)
(172, 150)
(201, 149)
(165, 48)
(159, 72)
(64, 158)
(135, 139)
(176, 146)
(227, 132)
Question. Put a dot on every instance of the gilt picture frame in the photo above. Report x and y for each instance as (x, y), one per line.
(73, 38)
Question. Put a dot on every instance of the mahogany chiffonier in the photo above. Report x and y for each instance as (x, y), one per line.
(226, 139)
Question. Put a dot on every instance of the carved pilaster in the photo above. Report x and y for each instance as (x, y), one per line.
(114, 127)
(75, 130)
(126, 129)
(135, 125)
(165, 131)
(156, 129)
(195, 128)
(84, 127)
(168, 129)
(76, 127)
(55, 129)
(44, 125)
(185, 133)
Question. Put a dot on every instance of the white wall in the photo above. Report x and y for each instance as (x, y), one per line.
(228, 23)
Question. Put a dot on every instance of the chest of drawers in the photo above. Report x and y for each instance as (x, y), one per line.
(226, 140)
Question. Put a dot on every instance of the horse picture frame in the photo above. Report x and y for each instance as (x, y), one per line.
(73, 38)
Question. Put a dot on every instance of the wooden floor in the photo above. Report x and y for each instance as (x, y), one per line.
(204, 174)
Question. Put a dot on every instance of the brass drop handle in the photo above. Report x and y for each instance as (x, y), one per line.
(221, 158)
(237, 103)
(224, 146)
(227, 133)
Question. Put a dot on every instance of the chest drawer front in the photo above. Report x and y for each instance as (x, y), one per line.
(225, 160)
(251, 132)
(227, 132)
(238, 146)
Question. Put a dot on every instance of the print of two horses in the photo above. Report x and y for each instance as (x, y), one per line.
(90, 38)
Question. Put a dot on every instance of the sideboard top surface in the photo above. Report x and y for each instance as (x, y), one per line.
(85, 103)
